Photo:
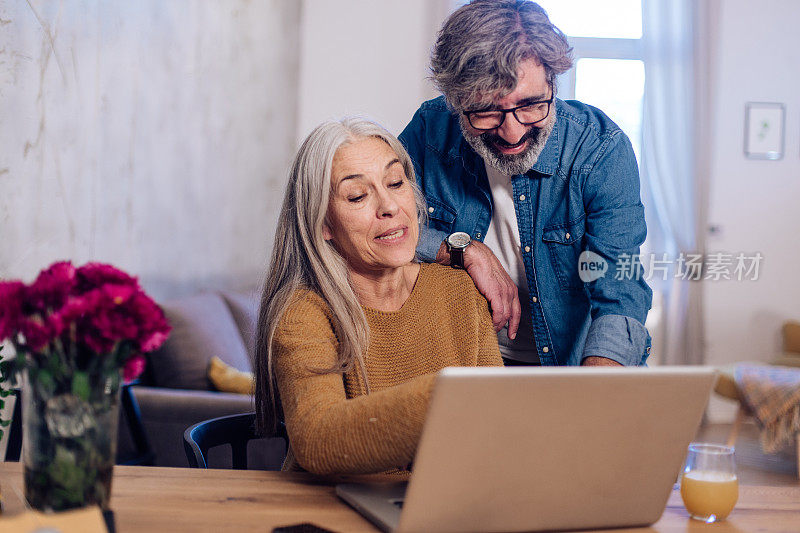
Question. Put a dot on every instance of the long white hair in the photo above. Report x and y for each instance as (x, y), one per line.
(302, 258)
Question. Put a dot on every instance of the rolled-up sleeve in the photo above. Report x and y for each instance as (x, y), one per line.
(429, 242)
(620, 338)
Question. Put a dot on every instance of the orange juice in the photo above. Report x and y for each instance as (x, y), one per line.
(707, 493)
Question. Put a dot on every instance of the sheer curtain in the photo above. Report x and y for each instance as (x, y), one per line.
(674, 167)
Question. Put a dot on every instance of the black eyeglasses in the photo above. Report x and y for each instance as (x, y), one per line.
(526, 114)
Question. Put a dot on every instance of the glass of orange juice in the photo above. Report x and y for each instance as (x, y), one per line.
(709, 486)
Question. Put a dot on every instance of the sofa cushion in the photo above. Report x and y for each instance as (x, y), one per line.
(244, 308)
(202, 327)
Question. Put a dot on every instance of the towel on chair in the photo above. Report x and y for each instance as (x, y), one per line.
(773, 395)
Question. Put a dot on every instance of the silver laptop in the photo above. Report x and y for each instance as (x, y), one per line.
(531, 449)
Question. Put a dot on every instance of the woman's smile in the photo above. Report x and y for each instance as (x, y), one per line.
(393, 235)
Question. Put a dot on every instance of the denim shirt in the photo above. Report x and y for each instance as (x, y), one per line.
(582, 194)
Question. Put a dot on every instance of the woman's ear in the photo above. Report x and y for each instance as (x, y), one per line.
(326, 232)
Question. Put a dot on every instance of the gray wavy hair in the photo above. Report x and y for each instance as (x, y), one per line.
(481, 45)
(303, 259)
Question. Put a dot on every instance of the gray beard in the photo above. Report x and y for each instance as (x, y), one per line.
(511, 165)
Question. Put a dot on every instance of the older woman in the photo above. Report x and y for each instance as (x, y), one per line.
(352, 330)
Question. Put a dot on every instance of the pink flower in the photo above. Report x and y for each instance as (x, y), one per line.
(119, 294)
(95, 275)
(55, 325)
(115, 313)
(153, 326)
(90, 312)
(152, 340)
(96, 307)
(37, 334)
(113, 325)
(51, 288)
(74, 312)
(133, 368)
(12, 294)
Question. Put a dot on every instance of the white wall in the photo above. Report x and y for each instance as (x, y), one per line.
(149, 134)
(366, 57)
(156, 136)
(756, 204)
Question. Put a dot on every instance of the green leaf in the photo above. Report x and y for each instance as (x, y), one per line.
(6, 368)
(80, 385)
(68, 475)
(5, 423)
(45, 381)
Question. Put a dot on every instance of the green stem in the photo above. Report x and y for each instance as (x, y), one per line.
(73, 350)
(61, 353)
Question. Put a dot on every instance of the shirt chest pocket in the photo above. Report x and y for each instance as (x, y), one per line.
(440, 215)
(564, 243)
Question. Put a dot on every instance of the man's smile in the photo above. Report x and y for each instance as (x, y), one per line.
(510, 149)
(503, 147)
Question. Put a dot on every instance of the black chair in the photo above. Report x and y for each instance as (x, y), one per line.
(235, 430)
(14, 448)
(143, 453)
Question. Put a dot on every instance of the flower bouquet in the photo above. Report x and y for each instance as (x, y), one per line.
(76, 333)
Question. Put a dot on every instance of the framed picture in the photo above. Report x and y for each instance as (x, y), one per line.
(763, 130)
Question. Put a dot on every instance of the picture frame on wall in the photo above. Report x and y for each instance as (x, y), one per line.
(764, 130)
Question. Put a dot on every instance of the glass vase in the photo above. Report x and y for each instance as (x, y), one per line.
(69, 439)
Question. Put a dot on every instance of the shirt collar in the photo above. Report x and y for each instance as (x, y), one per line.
(548, 159)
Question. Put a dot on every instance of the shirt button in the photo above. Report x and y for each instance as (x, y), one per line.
(535, 299)
(527, 249)
(430, 210)
(478, 235)
(521, 197)
(545, 349)
(567, 236)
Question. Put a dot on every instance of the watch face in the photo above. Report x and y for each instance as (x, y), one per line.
(458, 239)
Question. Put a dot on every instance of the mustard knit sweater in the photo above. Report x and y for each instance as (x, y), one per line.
(333, 426)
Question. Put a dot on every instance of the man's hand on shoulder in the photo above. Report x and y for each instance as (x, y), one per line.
(599, 361)
(493, 282)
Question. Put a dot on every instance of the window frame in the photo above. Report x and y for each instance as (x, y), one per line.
(597, 48)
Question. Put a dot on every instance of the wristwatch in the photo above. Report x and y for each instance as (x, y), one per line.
(456, 244)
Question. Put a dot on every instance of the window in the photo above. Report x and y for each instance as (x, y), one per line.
(609, 67)
(617, 87)
(614, 19)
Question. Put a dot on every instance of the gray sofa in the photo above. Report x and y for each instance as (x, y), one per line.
(174, 392)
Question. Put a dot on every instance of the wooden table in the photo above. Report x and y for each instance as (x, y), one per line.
(183, 499)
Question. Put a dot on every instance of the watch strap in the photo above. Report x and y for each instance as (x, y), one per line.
(457, 257)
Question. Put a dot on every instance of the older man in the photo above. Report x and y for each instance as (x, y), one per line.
(529, 192)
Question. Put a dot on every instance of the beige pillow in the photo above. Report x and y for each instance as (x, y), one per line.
(791, 336)
(726, 383)
(228, 379)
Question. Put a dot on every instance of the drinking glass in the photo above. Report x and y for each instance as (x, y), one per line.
(709, 486)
